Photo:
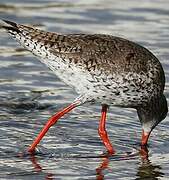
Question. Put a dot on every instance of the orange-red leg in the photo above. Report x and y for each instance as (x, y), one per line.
(50, 123)
(102, 131)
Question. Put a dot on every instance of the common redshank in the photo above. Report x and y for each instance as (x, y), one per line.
(101, 68)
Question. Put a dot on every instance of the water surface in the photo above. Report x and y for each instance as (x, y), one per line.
(30, 94)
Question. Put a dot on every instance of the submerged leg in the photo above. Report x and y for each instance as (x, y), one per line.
(102, 131)
(50, 123)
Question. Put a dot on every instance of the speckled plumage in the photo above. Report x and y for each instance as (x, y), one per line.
(103, 68)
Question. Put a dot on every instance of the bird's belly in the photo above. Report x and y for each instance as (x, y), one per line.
(75, 77)
(70, 74)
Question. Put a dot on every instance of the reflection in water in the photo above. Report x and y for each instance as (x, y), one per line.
(35, 164)
(146, 170)
(38, 168)
(102, 166)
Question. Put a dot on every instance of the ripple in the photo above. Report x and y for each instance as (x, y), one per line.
(7, 51)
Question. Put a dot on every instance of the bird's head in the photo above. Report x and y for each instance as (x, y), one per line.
(151, 115)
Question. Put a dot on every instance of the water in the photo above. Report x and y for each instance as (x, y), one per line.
(30, 94)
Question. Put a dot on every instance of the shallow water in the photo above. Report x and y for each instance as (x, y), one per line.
(30, 93)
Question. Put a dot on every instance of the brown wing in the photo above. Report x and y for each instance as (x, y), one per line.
(112, 54)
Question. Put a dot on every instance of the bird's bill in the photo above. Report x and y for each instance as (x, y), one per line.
(144, 139)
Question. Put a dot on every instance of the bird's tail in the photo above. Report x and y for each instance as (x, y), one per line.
(33, 39)
(39, 42)
(11, 27)
(18, 30)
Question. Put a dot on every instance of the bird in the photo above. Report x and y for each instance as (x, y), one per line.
(103, 69)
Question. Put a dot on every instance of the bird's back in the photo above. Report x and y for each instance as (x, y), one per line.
(99, 66)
